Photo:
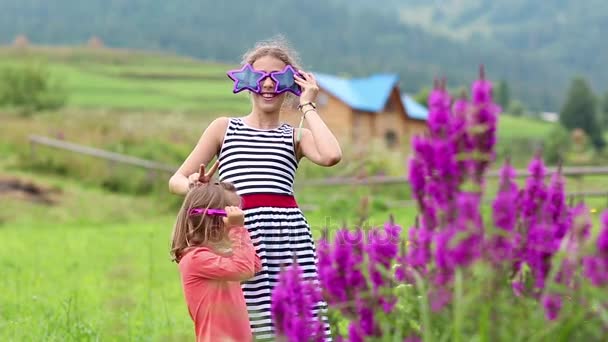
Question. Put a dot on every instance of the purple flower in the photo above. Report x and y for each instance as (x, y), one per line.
(420, 247)
(518, 288)
(292, 304)
(595, 267)
(565, 275)
(501, 246)
(535, 192)
(382, 249)
(602, 239)
(596, 270)
(412, 338)
(482, 88)
(417, 178)
(557, 210)
(460, 108)
(354, 333)
(552, 304)
(483, 130)
(505, 210)
(443, 183)
(439, 110)
(460, 137)
(339, 266)
(541, 246)
(366, 320)
(439, 297)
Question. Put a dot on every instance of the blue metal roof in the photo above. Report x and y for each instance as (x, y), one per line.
(414, 109)
(365, 94)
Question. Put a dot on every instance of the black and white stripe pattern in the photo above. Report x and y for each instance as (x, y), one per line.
(258, 161)
(263, 161)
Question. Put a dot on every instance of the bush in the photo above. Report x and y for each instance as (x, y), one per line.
(516, 108)
(556, 145)
(31, 88)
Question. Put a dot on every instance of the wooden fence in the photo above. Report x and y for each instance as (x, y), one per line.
(94, 152)
(575, 172)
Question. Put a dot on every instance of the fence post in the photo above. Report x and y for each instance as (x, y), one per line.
(32, 150)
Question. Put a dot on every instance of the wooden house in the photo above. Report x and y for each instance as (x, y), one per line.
(362, 111)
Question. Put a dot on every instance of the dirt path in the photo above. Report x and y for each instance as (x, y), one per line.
(28, 190)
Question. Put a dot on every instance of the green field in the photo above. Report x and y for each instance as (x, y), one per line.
(135, 80)
(94, 265)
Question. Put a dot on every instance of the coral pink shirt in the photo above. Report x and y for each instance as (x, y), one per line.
(212, 288)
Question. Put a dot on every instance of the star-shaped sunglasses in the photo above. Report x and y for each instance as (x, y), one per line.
(201, 211)
(249, 78)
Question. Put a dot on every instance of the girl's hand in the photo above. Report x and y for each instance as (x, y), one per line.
(235, 217)
(201, 177)
(309, 86)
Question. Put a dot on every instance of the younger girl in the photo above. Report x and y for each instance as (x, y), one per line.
(214, 253)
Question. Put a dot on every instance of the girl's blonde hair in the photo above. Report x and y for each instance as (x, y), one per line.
(279, 48)
(203, 229)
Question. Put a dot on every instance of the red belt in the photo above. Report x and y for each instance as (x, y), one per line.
(268, 200)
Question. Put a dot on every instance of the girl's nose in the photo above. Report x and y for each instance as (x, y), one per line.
(267, 82)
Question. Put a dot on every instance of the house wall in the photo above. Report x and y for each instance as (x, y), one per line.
(391, 124)
(335, 113)
(364, 127)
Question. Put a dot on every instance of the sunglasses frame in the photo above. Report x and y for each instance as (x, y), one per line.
(248, 69)
(210, 211)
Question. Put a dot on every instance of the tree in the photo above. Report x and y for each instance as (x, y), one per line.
(603, 112)
(503, 94)
(516, 108)
(422, 96)
(579, 111)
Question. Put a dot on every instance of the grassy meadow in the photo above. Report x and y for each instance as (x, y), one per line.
(122, 79)
(91, 263)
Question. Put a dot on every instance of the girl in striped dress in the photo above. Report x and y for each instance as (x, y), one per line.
(259, 155)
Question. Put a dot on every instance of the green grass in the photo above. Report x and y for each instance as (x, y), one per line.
(511, 127)
(74, 282)
(137, 80)
(96, 265)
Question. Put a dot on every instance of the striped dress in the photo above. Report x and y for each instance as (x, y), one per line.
(262, 164)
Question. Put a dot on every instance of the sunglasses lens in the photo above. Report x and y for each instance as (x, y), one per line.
(286, 82)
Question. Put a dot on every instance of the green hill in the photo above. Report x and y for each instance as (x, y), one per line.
(564, 33)
(128, 79)
(337, 36)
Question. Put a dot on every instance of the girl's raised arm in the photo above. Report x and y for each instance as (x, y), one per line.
(208, 146)
(240, 266)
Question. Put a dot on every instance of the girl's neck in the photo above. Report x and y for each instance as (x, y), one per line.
(263, 120)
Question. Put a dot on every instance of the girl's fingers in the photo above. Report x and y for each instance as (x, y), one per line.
(212, 170)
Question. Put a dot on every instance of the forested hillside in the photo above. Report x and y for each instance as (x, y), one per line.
(334, 36)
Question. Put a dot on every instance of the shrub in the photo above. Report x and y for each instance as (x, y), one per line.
(30, 88)
(556, 145)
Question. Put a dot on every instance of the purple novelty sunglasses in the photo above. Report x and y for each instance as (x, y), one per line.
(201, 211)
(249, 78)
